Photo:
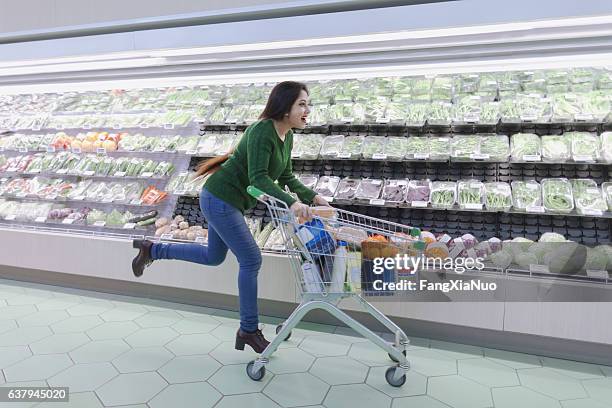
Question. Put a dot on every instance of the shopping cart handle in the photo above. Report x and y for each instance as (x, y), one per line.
(254, 191)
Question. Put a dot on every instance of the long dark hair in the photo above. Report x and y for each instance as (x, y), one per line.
(281, 100)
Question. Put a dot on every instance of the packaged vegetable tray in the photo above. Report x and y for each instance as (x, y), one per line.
(525, 147)
(470, 194)
(327, 185)
(526, 194)
(557, 195)
(374, 147)
(417, 148)
(395, 148)
(494, 148)
(443, 194)
(439, 148)
(587, 197)
(352, 147)
(585, 146)
(606, 147)
(418, 192)
(465, 147)
(395, 191)
(307, 146)
(308, 180)
(498, 196)
(556, 148)
(606, 189)
(368, 189)
(346, 189)
(332, 146)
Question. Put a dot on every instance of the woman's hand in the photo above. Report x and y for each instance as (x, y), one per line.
(301, 210)
(319, 200)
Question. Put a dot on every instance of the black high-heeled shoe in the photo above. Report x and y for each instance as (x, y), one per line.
(143, 259)
(256, 340)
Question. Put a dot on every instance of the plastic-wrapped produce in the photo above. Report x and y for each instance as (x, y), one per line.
(441, 113)
(306, 146)
(308, 180)
(494, 147)
(565, 107)
(218, 114)
(557, 195)
(439, 148)
(585, 146)
(525, 147)
(327, 185)
(526, 108)
(395, 148)
(187, 144)
(421, 88)
(375, 110)
(443, 194)
(237, 114)
(606, 147)
(340, 113)
(332, 146)
(347, 188)
(207, 144)
(352, 147)
(368, 189)
(595, 106)
(418, 192)
(417, 148)
(374, 147)
(490, 113)
(556, 148)
(587, 197)
(318, 115)
(582, 79)
(470, 194)
(417, 114)
(224, 143)
(606, 189)
(467, 110)
(442, 89)
(498, 196)
(465, 147)
(394, 191)
(395, 113)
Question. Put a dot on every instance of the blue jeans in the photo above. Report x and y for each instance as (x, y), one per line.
(226, 229)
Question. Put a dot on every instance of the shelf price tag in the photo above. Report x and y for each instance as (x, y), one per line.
(166, 236)
(583, 117)
(87, 126)
(50, 149)
(473, 206)
(533, 268)
(67, 220)
(12, 169)
(383, 120)
(120, 174)
(136, 201)
(159, 149)
(22, 150)
(200, 240)
(51, 196)
(99, 223)
(117, 126)
(79, 198)
(594, 213)
(379, 156)
(169, 126)
(147, 174)
(278, 247)
(346, 119)
(144, 125)
(76, 150)
(180, 192)
(479, 156)
(421, 156)
(583, 158)
(40, 219)
(129, 225)
(377, 201)
(532, 157)
(10, 217)
(191, 152)
(535, 209)
(62, 171)
(344, 155)
(89, 173)
(101, 150)
(107, 200)
(419, 204)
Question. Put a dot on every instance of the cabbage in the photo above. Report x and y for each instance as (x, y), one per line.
(539, 250)
(596, 259)
(525, 259)
(501, 259)
(551, 237)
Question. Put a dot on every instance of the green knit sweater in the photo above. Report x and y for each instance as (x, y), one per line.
(260, 158)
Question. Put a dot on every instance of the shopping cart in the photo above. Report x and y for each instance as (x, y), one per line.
(324, 253)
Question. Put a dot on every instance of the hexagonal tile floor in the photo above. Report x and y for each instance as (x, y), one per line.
(118, 351)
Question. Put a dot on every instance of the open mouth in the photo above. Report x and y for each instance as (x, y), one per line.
(304, 119)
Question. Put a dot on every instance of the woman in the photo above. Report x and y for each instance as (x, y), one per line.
(262, 156)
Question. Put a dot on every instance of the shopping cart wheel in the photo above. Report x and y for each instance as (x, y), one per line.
(279, 328)
(390, 374)
(395, 359)
(257, 376)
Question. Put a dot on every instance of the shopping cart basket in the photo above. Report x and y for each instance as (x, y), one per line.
(328, 256)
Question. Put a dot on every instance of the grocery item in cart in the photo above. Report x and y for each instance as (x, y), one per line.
(470, 194)
(332, 146)
(394, 191)
(526, 195)
(443, 194)
(327, 185)
(369, 189)
(587, 197)
(525, 147)
(557, 195)
(556, 148)
(347, 188)
(585, 146)
(498, 196)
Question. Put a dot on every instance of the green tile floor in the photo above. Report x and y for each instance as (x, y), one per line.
(117, 351)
